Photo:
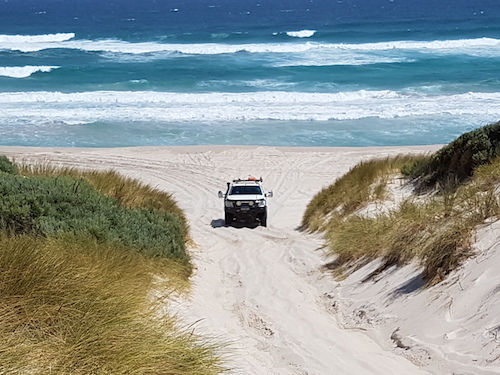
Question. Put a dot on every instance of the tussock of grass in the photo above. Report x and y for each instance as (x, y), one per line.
(413, 232)
(78, 307)
(364, 183)
(434, 230)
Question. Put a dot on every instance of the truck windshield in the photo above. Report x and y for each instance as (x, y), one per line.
(251, 190)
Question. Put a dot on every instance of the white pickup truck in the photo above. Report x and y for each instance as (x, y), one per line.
(245, 199)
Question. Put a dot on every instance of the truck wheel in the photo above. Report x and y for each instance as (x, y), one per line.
(263, 220)
(228, 218)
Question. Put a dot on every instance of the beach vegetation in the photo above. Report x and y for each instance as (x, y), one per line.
(75, 306)
(129, 192)
(86, 280)
(7, 166)
(452, 192)
(455, 163)
(365, 182)
(62, 206)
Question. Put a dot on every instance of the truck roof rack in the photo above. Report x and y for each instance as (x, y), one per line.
(253, 179)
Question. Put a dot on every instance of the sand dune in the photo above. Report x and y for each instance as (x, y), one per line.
(262, 290)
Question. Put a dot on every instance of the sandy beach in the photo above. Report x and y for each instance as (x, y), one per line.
(262, 290)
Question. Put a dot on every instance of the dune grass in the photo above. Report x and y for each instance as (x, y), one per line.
(364, 183)
(413, 232)
(434, 229)
(78, 307)
(86, 277)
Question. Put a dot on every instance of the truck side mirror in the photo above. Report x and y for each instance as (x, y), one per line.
(221, 194)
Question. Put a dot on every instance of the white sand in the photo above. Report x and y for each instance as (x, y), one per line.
(262, 290)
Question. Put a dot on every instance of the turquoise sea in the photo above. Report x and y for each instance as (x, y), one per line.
(282, 73)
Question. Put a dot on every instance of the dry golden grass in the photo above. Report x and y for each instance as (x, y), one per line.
(76, 307)
(71, 304)
(363, 184)
(434, 230)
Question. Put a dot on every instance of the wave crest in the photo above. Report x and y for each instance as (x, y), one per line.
(45, 38)
(225, 107)
(476, 47)
(24, 71)
(301, 33)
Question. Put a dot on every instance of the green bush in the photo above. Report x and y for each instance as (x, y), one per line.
(456, 162)
(55, 207)
(412, 170)
(131, 193)
(7, 166)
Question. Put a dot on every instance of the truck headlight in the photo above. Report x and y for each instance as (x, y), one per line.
(261, 202)
(228, 203)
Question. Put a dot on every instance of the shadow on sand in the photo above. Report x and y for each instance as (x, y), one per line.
(219, 223)
(412, 285)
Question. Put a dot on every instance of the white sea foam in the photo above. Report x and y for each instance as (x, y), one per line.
(139, 81)
(44, 38)
(301, 33)
(480, 46)
(477, 46)
(268, 84)
(118, 46)
(336, 58)
(75, 122)
(254, 106)
(24, 71)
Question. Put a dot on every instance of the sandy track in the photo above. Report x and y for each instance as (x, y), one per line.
(260, 289)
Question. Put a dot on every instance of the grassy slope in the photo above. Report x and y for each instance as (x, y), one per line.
(76, 300)
(460, 182)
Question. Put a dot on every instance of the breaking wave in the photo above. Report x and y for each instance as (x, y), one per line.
(44, 38)
(254, 106)
(301, 33)
(32, 43)
(24, 71)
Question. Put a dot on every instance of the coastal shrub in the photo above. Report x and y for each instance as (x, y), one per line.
(54, 207)
(127, 191)
(81, 307)
(456, 162)
(7, 166)
(412, 170)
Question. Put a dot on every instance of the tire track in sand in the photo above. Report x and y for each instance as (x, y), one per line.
(259, 289)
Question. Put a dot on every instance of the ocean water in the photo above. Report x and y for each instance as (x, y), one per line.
(247, 72)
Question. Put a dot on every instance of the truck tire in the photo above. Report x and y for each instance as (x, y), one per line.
(263, 220)
(228, 218)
